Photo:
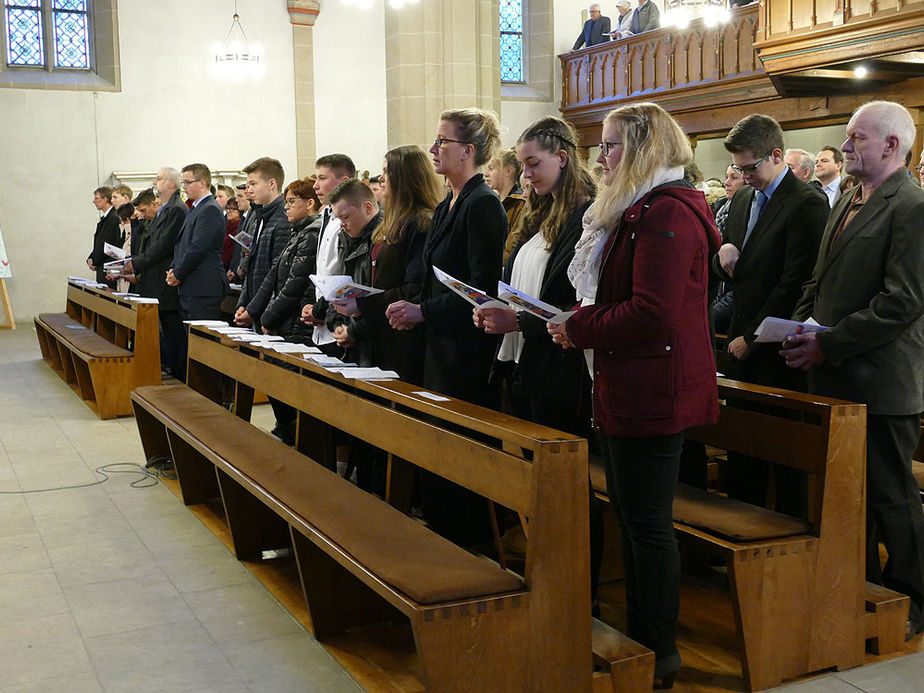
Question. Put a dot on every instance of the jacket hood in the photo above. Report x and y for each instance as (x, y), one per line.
(693, 198)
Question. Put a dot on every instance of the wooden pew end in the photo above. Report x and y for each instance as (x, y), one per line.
(621, 664)
(886, 614)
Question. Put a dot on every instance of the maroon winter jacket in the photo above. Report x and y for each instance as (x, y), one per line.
(654, 367)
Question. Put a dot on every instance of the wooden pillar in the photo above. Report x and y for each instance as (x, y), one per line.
(302, 14)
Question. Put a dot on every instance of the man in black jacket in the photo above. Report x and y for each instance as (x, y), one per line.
(772, 234)
(596, 29)
(271, 231)
(150, 263)
(107, 231)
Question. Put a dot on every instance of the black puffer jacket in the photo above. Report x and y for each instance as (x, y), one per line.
(279, 296)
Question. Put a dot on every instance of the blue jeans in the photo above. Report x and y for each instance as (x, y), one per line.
(641, 479)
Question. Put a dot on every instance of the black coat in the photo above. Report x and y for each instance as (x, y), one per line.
(267, 244)
(545, 369)
(776, 262)
(107, 231)
(154, 255)
(279, 297)
(466, 241)
(397, 269)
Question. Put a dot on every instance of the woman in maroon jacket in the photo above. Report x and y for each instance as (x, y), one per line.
(641, 269)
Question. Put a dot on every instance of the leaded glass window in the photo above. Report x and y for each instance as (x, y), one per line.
(43, 31)
(511, 40)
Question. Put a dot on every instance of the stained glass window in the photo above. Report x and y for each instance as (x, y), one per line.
(39, 28)
(511, 40)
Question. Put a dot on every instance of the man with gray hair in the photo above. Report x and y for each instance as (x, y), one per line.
(624, 22)
(868, 290)
(167, 188)
(801, 163)
(596, 29)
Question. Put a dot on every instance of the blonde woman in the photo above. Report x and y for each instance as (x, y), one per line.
(641, 267)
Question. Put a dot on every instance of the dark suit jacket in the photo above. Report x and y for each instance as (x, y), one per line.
(594, 32)
(155, 254)
(107, 231)
(197, 255)
(466, 241)
(773, 266)
(868, 288)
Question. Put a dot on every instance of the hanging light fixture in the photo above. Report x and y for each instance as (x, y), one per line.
(681, 12)
(237, 58)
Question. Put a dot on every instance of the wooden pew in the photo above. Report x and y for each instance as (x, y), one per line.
(798, 587)
(103, 346)
(475, 626)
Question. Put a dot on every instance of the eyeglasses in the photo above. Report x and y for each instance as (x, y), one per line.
(440, 141)
(185, 183)
(606, 146)
(290, 201)
(751, 168)
(920, 169)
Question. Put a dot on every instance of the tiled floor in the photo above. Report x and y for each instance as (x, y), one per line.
(112, 588)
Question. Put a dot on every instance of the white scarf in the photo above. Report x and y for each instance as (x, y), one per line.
(584, 270)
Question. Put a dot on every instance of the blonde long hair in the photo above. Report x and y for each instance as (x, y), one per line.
(547, 214)
(651, 142)
(414, 191)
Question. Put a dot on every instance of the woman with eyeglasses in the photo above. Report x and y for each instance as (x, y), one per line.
(278, 300)
(641, 269)
(465, 239)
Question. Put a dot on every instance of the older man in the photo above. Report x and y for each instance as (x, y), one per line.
(801, 163)
(596, 29)
(646, 17)
(624, 21)
(868, 289)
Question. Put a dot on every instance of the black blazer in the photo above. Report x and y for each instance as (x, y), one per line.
(197, 255)
(107, 231)
(776, 262)
(594, 32)
(155, 255)
(467, 242)
(545, 369)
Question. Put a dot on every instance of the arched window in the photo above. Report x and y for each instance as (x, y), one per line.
(52, 34)
(511, 41)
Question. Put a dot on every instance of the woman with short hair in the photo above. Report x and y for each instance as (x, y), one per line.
(641, 268)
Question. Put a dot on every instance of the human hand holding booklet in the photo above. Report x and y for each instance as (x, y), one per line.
(778, 329)
(340, 287)
(476, 297)
(516, 299)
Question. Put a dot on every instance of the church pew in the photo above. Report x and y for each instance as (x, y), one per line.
(797, 587)
(362, 561)
(103, 346)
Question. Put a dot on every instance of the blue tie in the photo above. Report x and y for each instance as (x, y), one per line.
(757, 204)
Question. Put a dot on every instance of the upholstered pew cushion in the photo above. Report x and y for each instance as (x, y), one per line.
(399, 550)
(733, 519)
(82, 338)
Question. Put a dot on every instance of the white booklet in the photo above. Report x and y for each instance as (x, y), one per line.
(114, 251)
(373, 373)
(476, 297)
(340, 287)
(293, 348)
(206, 323)
(778, 329)
(243, 239)
(254, 337)
(533, 306)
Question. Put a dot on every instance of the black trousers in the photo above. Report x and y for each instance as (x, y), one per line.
(195, 308)
(894, 515)
(641, 479)
(174, 333)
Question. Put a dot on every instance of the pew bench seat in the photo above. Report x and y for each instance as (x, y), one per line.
(83, 339)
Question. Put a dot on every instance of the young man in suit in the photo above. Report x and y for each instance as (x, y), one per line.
(197, 270)
(596, 29)
(772, 233)
(107, 231)
(868, 290)
(828, 165)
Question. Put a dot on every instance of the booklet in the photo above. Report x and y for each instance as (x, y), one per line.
(476, 297)
(142, 299)
(293, 348)
(340, 287)
(243, 239)
(533, 306)
(254, 337)
(206, 323)
(114, 251)
(373, 373)
(326, 361)
(778, 329)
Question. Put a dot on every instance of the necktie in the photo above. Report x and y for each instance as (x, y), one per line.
(756, 206)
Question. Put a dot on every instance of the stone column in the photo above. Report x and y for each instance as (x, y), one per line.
(303, 14)
(439, 54)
